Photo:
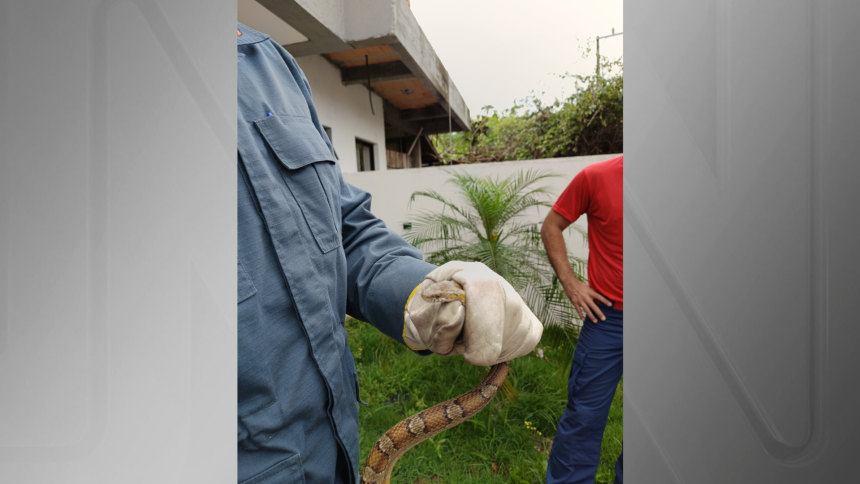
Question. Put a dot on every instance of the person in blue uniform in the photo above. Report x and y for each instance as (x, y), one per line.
(309, 252)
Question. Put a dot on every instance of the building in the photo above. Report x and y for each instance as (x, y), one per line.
(344, 46)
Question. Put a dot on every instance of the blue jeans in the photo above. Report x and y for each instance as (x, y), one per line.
(596, 370)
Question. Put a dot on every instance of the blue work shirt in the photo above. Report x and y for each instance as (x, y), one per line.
(310, 251)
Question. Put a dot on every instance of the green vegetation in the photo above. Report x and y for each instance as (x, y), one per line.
(589, 122)
(495, 446)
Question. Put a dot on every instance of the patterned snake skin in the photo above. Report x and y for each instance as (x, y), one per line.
(438, 418)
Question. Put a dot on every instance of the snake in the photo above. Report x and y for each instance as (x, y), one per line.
(420, 426)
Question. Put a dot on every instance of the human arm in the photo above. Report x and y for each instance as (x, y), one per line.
(382, 268)
(580, 294)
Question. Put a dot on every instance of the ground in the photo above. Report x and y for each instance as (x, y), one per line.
(505, 443)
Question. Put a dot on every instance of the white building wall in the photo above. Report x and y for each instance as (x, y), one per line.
(346, 110)
(391, 190)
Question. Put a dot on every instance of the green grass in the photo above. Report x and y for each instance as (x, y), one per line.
(495, 446)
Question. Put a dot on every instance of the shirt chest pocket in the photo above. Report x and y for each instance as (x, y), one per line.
(308, 169)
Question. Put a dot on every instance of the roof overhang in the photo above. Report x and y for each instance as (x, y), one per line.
(380, 40)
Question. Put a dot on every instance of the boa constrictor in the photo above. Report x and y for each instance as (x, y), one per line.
(436, 419)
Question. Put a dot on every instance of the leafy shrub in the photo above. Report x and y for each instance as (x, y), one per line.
(589, 122)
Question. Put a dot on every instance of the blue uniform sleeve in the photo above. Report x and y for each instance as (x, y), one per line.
(382, 268)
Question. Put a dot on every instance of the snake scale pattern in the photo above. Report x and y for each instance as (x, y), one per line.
(436, 419)
(427, 423)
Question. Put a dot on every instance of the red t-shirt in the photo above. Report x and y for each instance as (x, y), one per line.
(597, 191)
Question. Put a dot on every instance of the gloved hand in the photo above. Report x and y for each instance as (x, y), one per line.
(488, 324)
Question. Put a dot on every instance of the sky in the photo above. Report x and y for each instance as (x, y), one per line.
(499, 51)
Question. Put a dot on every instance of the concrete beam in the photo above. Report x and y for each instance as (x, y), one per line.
(415, 50)
(430, 112)
(338, 25)
(328, 24)
(384, 71)
(403, 123)
(320, 22)
(395, 125)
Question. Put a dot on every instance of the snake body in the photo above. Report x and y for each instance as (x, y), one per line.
(427, 423)
(436, 419)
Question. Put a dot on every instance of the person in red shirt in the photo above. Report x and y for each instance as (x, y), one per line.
(598, 359)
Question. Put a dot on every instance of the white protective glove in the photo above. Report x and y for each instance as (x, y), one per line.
(491, 324)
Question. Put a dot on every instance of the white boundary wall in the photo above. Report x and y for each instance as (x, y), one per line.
(391, 190)
(346, 110)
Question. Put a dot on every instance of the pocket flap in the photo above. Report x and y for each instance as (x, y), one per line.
(295, 140)
(245, 288)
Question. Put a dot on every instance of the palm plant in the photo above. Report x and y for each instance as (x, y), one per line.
(488, 223)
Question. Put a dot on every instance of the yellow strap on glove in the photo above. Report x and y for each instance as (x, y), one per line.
(405, 313)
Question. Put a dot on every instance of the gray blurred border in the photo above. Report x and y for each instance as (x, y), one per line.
(657, 448)
(4, 198)
(97, 212)
(202, 335)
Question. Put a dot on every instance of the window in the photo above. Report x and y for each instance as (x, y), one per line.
(364, 155)
(328, 133)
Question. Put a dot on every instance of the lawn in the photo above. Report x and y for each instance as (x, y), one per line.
(502, 444)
